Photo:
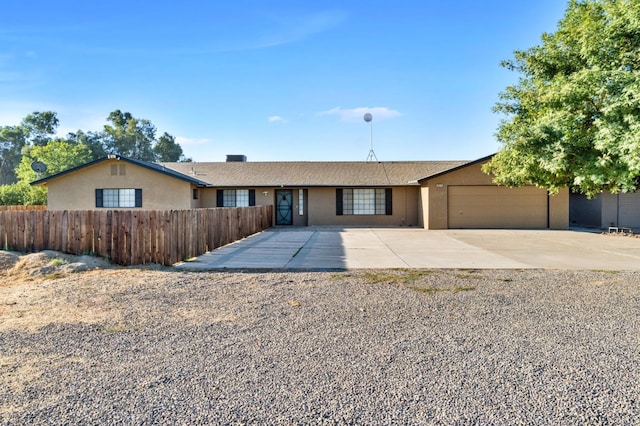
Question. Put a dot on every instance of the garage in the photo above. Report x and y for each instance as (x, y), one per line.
(490, 206)
(629, 210)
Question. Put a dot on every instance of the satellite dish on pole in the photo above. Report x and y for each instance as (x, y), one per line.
(39, 167)
(372, 155)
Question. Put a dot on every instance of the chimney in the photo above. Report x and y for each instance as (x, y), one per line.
(236, 158)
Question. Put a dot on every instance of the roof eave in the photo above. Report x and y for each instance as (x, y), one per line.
(462, 166)
(150, 166)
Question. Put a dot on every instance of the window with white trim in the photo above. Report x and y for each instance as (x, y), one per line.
(118, 197)
(236, 198)
(363, 201)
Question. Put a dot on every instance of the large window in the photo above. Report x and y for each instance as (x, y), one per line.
(363, 201)
(236, 198)
(119, 197)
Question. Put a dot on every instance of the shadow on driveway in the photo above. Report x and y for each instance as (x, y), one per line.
(337, 248)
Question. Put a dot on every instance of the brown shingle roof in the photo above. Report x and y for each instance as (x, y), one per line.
(300, 173)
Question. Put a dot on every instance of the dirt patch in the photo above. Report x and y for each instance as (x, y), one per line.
(41, 288)
(46, 264)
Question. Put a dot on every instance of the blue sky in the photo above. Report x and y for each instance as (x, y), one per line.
(274, 80)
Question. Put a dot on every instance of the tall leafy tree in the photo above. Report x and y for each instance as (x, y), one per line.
(94, 141)
(41, 127)
(12, 140)
(167, 149)
(129, 136)
(58, 155)
(573, 119)
(36, 129)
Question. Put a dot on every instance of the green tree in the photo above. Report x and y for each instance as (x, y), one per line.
(41, 127)
(22, 194)
(129, 136)
(12, 140)
(573, 119)
(58, 155)
(94, 141)
(167, 149)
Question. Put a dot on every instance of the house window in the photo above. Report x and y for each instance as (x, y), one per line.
(236, 198)
(195, 193)
(119, 197)
(114, 170)
(123, 169)
(363, 201)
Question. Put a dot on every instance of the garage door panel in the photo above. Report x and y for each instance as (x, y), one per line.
(629, 208)
(496, 207)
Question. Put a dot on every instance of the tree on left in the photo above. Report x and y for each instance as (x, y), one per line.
(34, 140)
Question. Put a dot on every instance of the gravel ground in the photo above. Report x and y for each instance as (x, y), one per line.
(154, 346)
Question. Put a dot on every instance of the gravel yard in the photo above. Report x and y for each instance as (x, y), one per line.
(155, 346)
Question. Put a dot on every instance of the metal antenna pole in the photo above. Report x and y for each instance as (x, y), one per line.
(372, 155)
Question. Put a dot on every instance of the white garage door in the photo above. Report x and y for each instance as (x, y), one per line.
(496, 207)
(629, 210)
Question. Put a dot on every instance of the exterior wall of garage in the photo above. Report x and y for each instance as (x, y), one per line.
(559, 210)
(607, 209)
(501, 207)
(490, 206)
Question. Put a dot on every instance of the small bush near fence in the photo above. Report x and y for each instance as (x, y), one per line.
(131, 237)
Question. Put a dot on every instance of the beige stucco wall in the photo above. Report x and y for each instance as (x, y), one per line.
(207, 197)
(76, 190)
(435, 202)
(559, 210)
(320, 207)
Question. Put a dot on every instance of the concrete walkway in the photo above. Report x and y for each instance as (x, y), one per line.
(326, 248)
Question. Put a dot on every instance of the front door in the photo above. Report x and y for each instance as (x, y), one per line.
(284, 207)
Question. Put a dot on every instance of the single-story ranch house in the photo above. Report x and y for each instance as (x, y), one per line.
(428, 194)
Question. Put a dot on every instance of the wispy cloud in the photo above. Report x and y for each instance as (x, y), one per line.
(260, 31)
(357, 114)
(13, 76)
(276, 119)
(291, 29)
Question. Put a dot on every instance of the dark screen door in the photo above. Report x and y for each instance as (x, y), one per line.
(284, 207)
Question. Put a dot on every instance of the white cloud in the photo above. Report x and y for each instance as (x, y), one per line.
(357, 114)
(276, 119)
(183, 141)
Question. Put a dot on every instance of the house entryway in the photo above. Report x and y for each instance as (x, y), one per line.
(284, 207)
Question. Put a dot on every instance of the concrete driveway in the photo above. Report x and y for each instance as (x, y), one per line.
(326, 248)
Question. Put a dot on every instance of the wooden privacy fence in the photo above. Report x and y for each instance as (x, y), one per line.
(131, 237)
(3, 208)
